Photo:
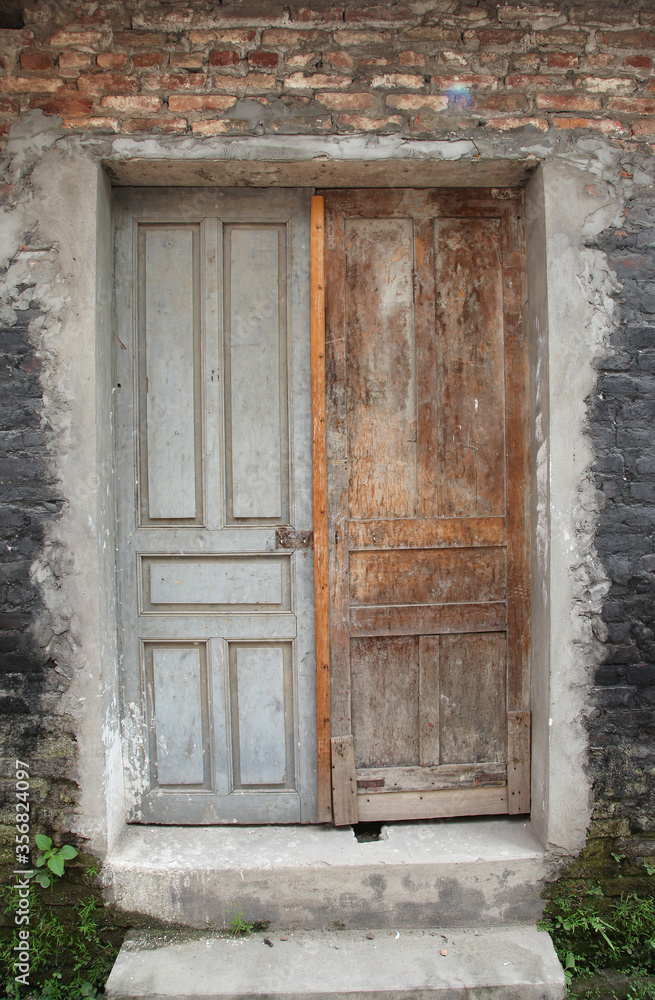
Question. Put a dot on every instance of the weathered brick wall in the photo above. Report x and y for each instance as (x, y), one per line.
(622, 427)
(439, 69)
(420, 69)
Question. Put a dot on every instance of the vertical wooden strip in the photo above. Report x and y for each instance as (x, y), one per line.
(319, 478)
(426, 369)
(518, 462)
(344, 781)
(518, 762)
(428, 700)
(337, 457)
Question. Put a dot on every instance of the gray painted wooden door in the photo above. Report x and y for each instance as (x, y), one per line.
(214, 507)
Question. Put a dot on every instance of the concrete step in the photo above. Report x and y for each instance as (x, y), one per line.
(510, 963)
(451, 872)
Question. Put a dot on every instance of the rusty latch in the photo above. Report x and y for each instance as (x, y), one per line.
(289, 538)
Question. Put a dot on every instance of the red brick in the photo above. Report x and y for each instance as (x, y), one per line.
(30, 85)
(415, 102)
(435, 34)
(139, 40)
(411, 59)
(160, 123)
(567, 102)
(505, 124)
(131, 104)
(40, 61)
(603, 125)
(644, 127)
(383, 14)
(104, 124)
(72, 107)
(501, 102)
(200, 102)
(109, 60)
(392, 80)
(562, 60)
(174, 81)
(495, 36)
(313, 81)
(628, 39)
(346, 102)
(561, 36)
(230, 37)
(103, 83)
(145, 60)
(263, 59)
(9, 106)
(312, 14)
(598, 60)
(340, 59)
(244, 86)
(606, 84)
(374, 61)
(186, 60)
(527, 81)
(223, 57)
(343, 36)
(302, 60)
(361, 123)
(482, 81)
(87, 40)
(638, 62)
(212, 127)
(292, 37)
(633, 105)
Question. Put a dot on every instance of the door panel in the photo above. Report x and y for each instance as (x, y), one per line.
(213, 458)
(427, 469)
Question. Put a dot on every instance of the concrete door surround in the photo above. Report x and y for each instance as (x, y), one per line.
(568, 321)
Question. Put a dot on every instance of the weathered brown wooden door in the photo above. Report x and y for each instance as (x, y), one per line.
(427, 469)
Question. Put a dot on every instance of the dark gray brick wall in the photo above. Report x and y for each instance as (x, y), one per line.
(622, 428)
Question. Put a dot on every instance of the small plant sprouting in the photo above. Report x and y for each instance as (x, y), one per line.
(238, 926)
(54, 858)
(650, 867)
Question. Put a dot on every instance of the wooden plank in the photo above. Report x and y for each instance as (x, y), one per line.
(426, 370)
(518, 465)
(472, 695)
(422, 779)
(428, 619)
(381, 383)
(518, 762)
(428, 700)
(385, 694)
(319, 481)
(337, 480)
(430, 805)
(428, 576)
(426, 533)
(344, 782)
(470, 379)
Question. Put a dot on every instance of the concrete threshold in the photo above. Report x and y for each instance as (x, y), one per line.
(512, 963)
(481, 872)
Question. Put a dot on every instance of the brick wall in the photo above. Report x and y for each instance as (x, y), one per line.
(420, 69)
(415, 68)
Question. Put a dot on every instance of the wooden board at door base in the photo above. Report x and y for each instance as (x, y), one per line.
(427, 470)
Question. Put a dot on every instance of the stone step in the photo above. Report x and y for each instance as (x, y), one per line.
(510, 963)
(450, 872)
